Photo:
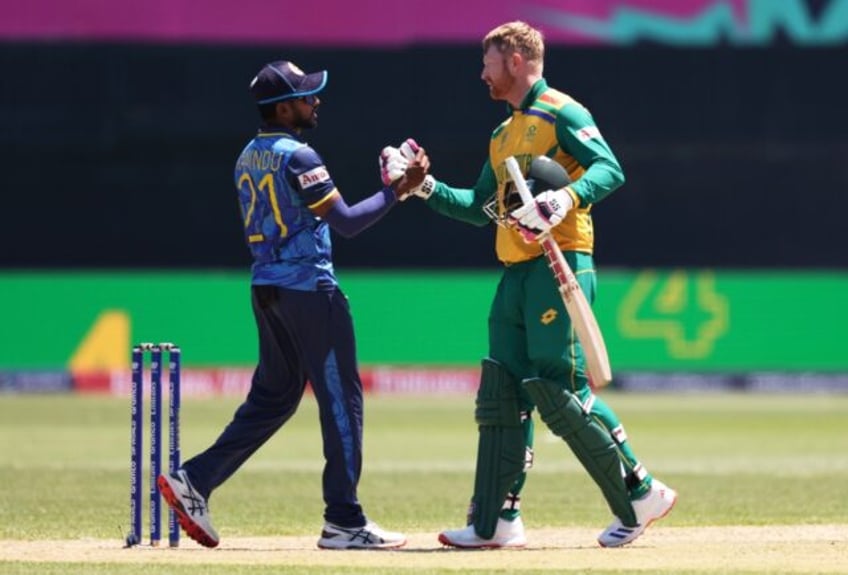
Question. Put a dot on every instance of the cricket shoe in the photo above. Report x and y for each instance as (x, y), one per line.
(369, 536)
(507, 534)
(190, 507)
(655, 504)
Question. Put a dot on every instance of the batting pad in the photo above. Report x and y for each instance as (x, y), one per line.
(501, 447)
(593, 446)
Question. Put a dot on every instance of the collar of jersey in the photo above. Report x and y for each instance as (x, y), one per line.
(273, 130)
(536, 90)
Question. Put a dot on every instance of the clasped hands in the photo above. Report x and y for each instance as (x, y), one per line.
(405, 169)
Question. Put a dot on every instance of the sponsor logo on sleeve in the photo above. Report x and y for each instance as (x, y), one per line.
(589, 132)
(314, 177)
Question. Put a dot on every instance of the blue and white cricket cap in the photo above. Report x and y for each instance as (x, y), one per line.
(283, 80)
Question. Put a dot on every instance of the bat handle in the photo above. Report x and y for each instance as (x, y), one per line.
(518, 179)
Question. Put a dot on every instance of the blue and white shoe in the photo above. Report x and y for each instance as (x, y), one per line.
(191, 508)
(652, 506)
(369, 536)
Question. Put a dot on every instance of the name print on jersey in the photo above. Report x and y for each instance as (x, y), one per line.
(255, 160)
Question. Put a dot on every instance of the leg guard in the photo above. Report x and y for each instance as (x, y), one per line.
(590, 442)
(501, 449)
(638, 480)
(512, 506)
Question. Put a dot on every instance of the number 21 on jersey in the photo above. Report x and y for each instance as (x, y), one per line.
(264, 195)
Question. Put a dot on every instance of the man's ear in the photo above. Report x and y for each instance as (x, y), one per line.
(515, 60)
(283, 109)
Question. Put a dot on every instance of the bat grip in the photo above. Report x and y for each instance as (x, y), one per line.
(518, 179)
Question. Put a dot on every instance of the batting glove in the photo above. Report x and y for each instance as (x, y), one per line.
(392, 165)
(536, 219)
(408, 149)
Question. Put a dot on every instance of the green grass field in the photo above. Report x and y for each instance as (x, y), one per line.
(735, 459)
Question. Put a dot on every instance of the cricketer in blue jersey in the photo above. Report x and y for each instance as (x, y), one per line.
(288, 204)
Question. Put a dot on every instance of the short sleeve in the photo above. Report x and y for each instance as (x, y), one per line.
(308, 176)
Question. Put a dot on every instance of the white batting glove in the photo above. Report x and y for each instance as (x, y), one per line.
(392, 165)
(536, 219)
(408, 149)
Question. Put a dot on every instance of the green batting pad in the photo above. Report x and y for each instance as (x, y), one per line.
(501, 446)
(591, 443)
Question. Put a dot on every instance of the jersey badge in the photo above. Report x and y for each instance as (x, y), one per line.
(589, 132)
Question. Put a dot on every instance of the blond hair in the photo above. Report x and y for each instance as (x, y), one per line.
(518, 37)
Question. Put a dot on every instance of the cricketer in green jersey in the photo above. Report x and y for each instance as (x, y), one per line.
(535, 360)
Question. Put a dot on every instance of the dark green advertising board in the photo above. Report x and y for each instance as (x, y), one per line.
(653, 320)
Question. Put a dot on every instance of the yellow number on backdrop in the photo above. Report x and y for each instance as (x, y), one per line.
(685, 310)
(266, 184)
(106, 344)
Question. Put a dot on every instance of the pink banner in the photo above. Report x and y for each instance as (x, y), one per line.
(338, 22)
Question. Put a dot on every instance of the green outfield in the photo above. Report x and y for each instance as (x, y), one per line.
(737, 460)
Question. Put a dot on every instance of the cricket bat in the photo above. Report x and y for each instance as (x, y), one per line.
(579, 310)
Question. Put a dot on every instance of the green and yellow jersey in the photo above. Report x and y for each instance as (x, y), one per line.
(548, 123)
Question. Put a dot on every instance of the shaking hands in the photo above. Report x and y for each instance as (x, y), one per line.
(406, 168)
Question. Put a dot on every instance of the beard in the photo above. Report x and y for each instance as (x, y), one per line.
(305, 121)
(500, 89)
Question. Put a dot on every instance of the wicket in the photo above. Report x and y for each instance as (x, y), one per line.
(136, 438)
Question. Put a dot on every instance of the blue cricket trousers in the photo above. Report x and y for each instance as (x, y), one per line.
(302, 336)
